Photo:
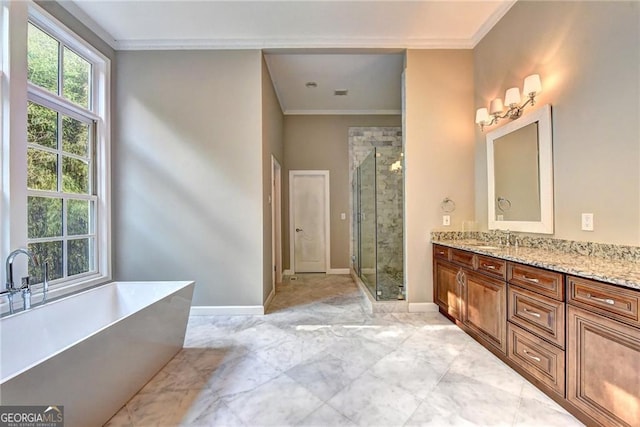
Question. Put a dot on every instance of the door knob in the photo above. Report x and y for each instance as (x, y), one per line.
(298, 230)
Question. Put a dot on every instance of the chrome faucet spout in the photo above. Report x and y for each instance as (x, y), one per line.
(10, 285)
(9, 265)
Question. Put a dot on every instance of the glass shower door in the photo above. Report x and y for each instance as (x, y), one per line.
(367, 222)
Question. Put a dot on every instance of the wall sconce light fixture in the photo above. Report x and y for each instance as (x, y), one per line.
(487, 117)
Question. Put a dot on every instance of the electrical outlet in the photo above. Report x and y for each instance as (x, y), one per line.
(587, 222)
(343, 216)
(446, 220)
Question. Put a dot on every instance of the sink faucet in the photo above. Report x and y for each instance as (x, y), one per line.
(10, 287)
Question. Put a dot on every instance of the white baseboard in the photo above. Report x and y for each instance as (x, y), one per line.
(423, 307)
(330, 271)
(226, 310)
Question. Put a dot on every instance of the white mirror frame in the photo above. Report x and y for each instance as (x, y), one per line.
(545, 166)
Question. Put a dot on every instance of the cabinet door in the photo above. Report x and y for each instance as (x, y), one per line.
(603, 375)
(484, 301)
(446, 288)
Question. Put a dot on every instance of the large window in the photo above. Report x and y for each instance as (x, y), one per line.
(60, 179)
(64, 181)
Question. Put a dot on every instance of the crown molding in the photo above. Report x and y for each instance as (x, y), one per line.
(88, 22)
(293, 43)
(491, 22)
(342, 112)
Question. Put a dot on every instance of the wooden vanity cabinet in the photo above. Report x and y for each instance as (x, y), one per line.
(468, 287)
(536, 325)
(603, 352)
(447, 287)
(537, 314)
(577, 339)
(446, 282)
(484, 302)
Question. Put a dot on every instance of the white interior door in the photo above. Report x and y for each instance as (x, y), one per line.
(309, 199)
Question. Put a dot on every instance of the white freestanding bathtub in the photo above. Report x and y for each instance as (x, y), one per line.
(92, 351)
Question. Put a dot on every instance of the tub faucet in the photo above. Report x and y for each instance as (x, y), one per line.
(10, 287)
(45, 282)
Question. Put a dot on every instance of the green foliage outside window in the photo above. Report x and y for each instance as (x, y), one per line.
(58, 160)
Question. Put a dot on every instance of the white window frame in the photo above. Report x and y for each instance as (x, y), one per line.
(13, 154)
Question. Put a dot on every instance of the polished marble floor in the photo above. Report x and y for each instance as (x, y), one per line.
(319, 359)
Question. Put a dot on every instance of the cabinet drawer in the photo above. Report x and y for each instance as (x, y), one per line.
(492, 266)
(537, 357)
(540, 315)
(441, 252)
(536, 279)
(609, 300)
(463, 258)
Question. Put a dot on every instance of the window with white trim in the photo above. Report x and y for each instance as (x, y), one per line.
(61, 193)
(63, 187)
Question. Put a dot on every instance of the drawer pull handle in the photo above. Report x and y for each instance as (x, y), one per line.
(531, 279)
(604, 300)
(531, 313)
(529, 355)
(490, 267)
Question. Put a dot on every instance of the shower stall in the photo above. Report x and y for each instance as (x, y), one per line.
(378, 202)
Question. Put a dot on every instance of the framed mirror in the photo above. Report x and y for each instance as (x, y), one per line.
(520, 174)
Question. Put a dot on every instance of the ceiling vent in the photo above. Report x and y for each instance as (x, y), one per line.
(341, 92)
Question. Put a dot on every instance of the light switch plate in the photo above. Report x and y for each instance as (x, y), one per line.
(446, 220)
(343, 216)
(587, 222)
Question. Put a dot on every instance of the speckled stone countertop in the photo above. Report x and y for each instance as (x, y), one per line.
(620, 272)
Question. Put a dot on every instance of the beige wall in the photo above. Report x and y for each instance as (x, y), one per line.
(438, 155)
(272, 144)
(588, 57)
(322, 143)
(187, 172)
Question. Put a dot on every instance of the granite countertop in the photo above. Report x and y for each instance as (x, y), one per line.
(618, 272)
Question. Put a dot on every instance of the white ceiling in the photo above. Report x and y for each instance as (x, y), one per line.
(372, 81)
(291, 30)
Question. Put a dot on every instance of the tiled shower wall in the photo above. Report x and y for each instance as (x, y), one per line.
(389, 191)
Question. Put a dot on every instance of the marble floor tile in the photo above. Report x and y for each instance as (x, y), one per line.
(468, 403)
(319, 358)
(325, 376)
(484, 368)
(241, 374)
(326, 416)
(416, 375)
(217, 413)
(369, 401)
(534, 413)
(281, 401)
